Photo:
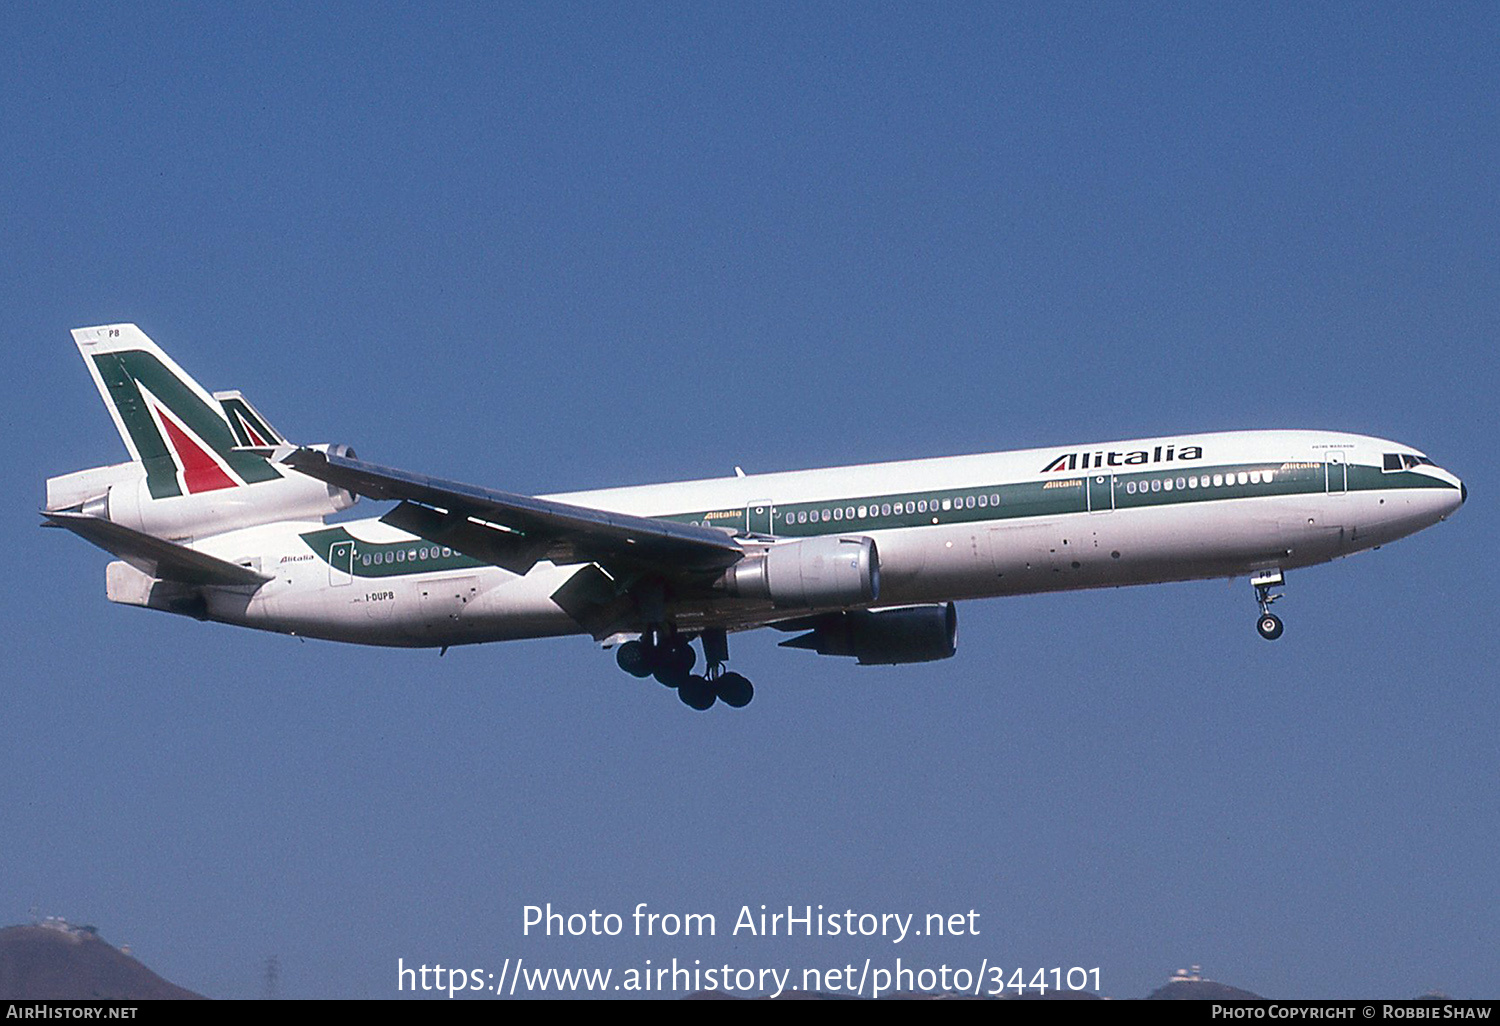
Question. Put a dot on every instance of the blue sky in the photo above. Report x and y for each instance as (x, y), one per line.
(547, 248)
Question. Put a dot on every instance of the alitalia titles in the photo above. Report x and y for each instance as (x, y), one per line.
(1090, 460)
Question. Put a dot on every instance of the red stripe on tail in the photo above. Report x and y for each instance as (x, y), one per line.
(199, 471)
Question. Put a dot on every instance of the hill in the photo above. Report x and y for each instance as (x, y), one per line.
(61, 962)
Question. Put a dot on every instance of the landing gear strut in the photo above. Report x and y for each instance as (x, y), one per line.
(1269, 625)
(669, 657)
(733, 689)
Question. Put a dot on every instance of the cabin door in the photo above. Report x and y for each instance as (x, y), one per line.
(1101, 493)
(760, 516)
(1338, 473)
(340, 563)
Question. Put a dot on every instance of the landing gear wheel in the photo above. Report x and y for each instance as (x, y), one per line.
(634, 658)
(675, 663)
(735, 690)
(697, 692)
(1269, 623)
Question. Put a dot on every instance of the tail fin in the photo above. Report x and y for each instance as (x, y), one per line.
(189, 475)
(184, 437)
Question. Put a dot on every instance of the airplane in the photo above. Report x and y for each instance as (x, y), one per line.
(218, 517)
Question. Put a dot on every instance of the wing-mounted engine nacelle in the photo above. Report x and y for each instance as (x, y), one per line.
(884, 637)
(817, 573)
(123, 494)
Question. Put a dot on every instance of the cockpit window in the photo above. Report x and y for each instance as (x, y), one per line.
(1405, 461)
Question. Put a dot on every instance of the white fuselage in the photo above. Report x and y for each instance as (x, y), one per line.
(1135, 512)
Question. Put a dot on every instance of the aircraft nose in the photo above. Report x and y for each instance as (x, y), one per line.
(1463, 497)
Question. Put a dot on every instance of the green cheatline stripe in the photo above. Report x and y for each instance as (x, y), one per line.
(120, 372)
(388, 559)
(1077, 493)
(1018, 500)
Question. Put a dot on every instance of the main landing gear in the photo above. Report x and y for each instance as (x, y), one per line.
(669, 657)
(1269, 625)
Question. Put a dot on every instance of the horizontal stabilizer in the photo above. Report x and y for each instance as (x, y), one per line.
(156, 556)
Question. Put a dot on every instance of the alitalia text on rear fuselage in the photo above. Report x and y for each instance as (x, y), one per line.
(1090, 460)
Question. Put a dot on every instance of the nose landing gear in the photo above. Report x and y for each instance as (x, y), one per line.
(1269, 625)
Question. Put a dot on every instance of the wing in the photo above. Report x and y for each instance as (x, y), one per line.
(155, 556)
(516, 531)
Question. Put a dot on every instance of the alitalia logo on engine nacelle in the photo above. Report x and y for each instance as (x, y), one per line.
(1090, 460)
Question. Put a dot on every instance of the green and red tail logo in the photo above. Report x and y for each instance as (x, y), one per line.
(249, 427)
(186, 446)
